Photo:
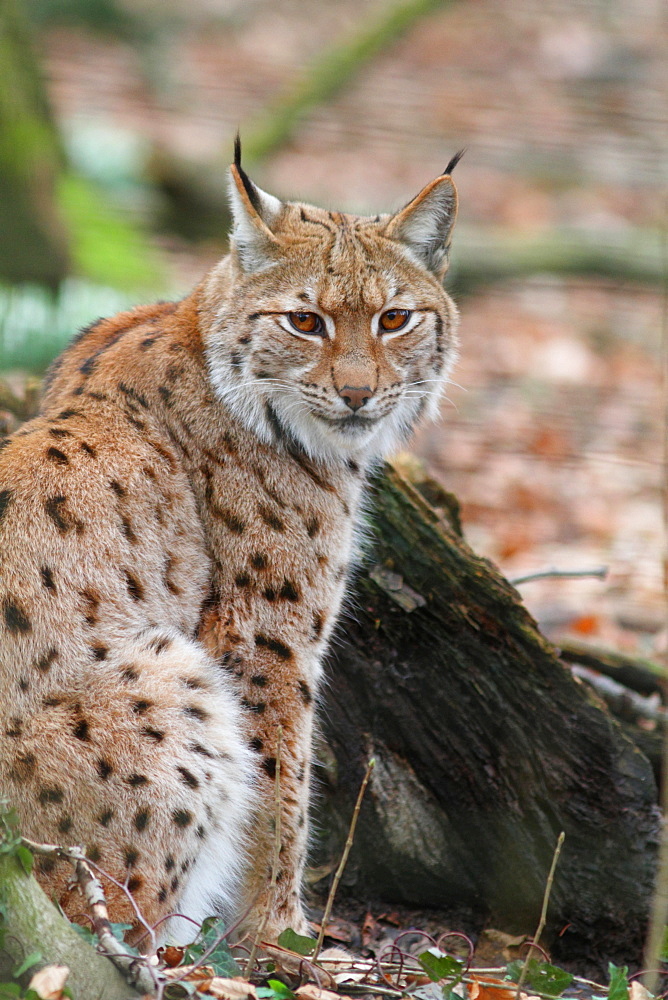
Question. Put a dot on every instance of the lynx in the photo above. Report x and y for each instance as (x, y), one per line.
(176, 529)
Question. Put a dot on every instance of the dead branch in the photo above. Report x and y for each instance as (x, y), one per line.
(635, 672)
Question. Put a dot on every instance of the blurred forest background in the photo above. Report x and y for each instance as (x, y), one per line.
(117, 120)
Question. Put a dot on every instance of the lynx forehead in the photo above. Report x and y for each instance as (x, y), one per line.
(176, 527)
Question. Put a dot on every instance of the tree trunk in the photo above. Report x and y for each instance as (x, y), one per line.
(486, 748)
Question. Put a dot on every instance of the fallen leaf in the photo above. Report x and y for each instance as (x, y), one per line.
(191, 973)
(638, 992)
(586, 624)
(312, 992)
(369, 929)
(289, 961)
(488, 989)
(49, 982)
(391, 918)
(338, 930)
(227, 989)
(171, 955)
(497, 948)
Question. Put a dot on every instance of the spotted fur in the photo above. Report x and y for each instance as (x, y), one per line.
(176, 526)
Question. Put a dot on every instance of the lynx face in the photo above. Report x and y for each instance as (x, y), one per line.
(338, 335)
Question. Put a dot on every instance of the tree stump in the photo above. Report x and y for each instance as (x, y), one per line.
(486, 748)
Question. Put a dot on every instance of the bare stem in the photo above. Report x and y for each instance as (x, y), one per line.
(659, 914)
(274, 863)
(543, 912)
(599, 572)
(344, 858)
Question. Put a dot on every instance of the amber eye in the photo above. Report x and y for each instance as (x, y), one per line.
(394, 319)
(306, 322)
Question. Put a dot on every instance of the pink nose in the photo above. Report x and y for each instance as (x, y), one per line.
(355, 396)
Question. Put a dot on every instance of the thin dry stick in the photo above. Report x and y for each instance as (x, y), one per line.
(274, 863)
(543, 912)
(600, 572)
(135, 969)
(344, 857)
(659, 915)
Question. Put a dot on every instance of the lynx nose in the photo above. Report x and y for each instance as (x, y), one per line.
(355, 396)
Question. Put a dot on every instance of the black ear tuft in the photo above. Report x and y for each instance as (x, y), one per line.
(249, 187)
(453, 162)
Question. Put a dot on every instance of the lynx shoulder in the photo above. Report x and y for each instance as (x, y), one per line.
(176, 527)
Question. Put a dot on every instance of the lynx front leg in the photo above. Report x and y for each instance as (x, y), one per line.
(281, 904)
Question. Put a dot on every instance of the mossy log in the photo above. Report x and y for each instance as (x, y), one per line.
(33, 241)
(486, 748)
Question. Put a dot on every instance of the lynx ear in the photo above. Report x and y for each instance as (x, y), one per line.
(425, 224)
(253, 214)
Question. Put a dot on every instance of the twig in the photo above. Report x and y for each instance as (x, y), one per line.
(599, 572)
(133, 903)
(344, 857)
(135, 968)
(274, 863)
(659, 914)
(543, 912)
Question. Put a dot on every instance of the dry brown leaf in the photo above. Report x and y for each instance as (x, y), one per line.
(586, 625)
(312, 992)
(497, 948)
(192, 973)
(290, 961)
(487, 988)
(369, 929)
(228, 989)
(171, 955)
(638, 992)
(338, 930)
(49, 981)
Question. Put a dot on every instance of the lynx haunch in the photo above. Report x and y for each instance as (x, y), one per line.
(176, 528)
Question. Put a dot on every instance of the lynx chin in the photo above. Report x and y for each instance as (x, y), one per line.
(176, 528)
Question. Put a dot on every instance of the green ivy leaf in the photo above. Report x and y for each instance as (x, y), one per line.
(440, 967)
(32, 959)
(86, 933)
(221, 958)
(118, 930)
(275, 990)
(619, 982)
(297, 942)
(540, 976)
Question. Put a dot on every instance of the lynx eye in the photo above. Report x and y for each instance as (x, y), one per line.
(394, 319)
(306, 322)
